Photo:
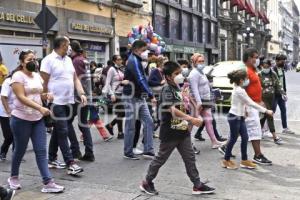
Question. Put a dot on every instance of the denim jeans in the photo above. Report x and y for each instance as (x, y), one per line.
(61, 129)
(24, 130)
(137, 108)
(281, 103)
(83, 125)
(237, 126)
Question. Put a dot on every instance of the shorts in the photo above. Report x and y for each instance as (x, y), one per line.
(253, 124)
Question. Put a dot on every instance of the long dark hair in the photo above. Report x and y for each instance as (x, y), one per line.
(22, 57)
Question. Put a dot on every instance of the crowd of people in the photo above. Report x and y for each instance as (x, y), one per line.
(146, 92)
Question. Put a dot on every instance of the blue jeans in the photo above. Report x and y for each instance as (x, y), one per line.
(59, 136)
(22, 131)
(136, 108)
(237, 126)
(82, 114)
(281, 103)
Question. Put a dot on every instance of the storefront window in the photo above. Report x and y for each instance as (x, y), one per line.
(95, 51)
(175, 24)
(186, 27)
(161, 20)
(186, 3)
(207, 6)
(178, 56)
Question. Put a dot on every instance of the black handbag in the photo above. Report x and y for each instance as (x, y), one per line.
(49, 121)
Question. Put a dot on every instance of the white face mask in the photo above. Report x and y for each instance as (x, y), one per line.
(144, 55)
(144, 64)
(179, 79)
(257, 62)
(69, 52)
(185, 72)
(246, 83)
(266, 71)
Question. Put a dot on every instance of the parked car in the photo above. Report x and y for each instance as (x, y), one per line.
(219, 74)
(298, 67)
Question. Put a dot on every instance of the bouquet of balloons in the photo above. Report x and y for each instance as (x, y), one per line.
(146, 33)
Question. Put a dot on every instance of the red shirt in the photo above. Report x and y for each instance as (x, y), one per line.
(254, 90)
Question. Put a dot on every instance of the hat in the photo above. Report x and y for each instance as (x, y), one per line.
(75, 45)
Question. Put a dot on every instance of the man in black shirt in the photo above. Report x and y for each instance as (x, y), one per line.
(174, 133)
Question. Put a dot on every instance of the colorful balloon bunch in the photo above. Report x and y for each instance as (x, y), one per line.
(146, 33)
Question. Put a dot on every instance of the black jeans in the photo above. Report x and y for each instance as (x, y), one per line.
(184, 147)
(237, 126)
(59, 137)
(7, 134)
(120, 112)
(282, 106)
(82, 114)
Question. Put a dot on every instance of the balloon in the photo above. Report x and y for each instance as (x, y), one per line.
(153, 47)
(158, 50)
(148, 41)
(131, 40)
(144, 33)
(154, 40)
(129, 35)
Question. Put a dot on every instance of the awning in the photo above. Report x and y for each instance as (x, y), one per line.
(260, 15)
(265, 18)
(249, 9)
(239, 3)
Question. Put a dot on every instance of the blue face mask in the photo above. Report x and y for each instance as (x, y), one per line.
(246, 83)
(200, 67)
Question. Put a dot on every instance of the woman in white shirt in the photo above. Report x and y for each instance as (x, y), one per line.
(5, 113)
(236, 119)
(113, 88)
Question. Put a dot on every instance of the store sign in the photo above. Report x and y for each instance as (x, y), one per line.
(90, 28)
(16, 17)
(183, 49)
(93, 46)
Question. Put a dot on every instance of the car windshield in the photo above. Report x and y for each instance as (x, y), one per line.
(222, 69)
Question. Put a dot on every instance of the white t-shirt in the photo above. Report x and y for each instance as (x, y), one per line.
(6, 91)
(61, 82)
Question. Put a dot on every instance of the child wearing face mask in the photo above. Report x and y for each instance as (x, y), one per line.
(174, 133)
(236, 119)
(271, 86)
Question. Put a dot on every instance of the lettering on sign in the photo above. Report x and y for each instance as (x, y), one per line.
(92, 28)
(11, 17)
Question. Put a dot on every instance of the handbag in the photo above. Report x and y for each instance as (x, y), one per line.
(49, 121)
(93, 114)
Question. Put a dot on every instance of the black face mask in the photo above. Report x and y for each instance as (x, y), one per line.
(31, 66)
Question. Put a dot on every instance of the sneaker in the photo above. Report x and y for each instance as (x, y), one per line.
(221, 139)
(56, 165)
(88, 157)
(287, 131)
(228, 164)
(148, 188)
(199, 138)
(74, 169)
(52, 187)
(149, 155)
(131, 157)
(216, 146)
(2, 157)
(196, 151)
(77, 156)
(109, 129)
(108, 139)
(261, 159)
(9, 194)
(278, 141)
(222, 150)
(120, 136)
(136, 151)
(247, 164)
(203, 189)
(14, 183)
(155, 135)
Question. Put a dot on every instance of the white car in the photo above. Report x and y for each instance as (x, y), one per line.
(219, 74)
(298, 67)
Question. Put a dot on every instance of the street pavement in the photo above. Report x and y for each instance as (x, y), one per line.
(111, 177)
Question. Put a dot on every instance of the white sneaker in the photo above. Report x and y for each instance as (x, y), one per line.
(287, 131)
(14, 183)
(268, 134)
(136, 151)
(52, 187)
(74, 169)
